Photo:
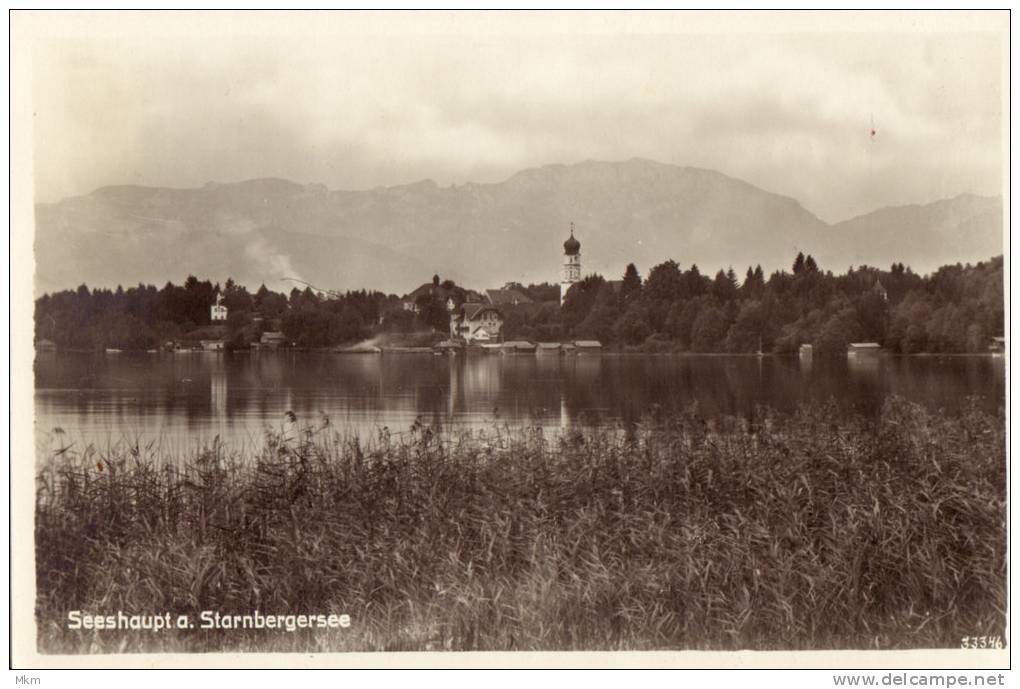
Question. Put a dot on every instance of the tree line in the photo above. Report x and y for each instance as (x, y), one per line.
(955, 309)
(958, 308)
(146, 317)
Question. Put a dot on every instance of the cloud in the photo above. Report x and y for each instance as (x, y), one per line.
(788, 112)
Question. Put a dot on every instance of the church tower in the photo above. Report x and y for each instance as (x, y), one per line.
(571, 264)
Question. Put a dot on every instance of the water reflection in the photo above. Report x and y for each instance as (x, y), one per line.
(199, 395)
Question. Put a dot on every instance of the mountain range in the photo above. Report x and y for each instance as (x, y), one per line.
(481, 235)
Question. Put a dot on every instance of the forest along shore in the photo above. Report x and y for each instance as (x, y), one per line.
(956, 309)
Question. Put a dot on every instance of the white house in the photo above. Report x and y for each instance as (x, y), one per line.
(477, 323)
(218, 312)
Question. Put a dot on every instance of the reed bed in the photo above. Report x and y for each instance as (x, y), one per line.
(818, 530)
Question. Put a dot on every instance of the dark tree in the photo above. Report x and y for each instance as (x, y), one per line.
(580, 299)
(632, 327)
(724, 287)
(432, 313)
(798, 263)
(631, 282)
(708, 330)
(750, 330)
(664, 283)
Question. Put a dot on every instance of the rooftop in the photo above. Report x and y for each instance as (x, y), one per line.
(500, 297)
(473, 311)
(519, 344)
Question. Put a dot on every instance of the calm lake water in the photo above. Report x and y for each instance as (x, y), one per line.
(185, 399)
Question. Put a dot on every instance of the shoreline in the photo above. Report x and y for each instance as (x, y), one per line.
(603, 352)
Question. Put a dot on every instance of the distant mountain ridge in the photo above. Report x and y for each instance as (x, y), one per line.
(965, 228)
(481, 235)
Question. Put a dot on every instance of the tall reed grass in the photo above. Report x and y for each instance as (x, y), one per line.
(812, 531)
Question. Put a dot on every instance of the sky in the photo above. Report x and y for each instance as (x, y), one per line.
(359, 101)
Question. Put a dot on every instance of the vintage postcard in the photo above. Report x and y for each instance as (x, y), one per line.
(491, 338)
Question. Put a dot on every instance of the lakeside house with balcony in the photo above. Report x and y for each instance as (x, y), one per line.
(476, 323)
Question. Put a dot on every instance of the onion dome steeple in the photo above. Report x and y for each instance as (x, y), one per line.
(571, 247)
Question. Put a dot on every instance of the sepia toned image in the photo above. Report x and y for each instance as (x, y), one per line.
(445, 332)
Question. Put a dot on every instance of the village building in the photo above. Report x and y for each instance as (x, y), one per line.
(508, 296)
(476, 323)
(518, 347)
(571, 264)
(447, 293)
(880, 290)
(272, 339)
(857, 348)
(218, 312)
(428, 289)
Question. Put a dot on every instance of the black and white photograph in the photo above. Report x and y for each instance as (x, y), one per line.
(449, 333)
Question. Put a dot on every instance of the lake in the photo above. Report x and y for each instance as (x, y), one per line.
(185, 399)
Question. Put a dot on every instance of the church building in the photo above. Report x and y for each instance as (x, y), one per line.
(218, 312)
(571, 264)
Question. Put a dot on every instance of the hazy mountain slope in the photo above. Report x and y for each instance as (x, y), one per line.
(478, 234)
(246, 231)
(633, 211)
(965, 228)
(251, 258)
